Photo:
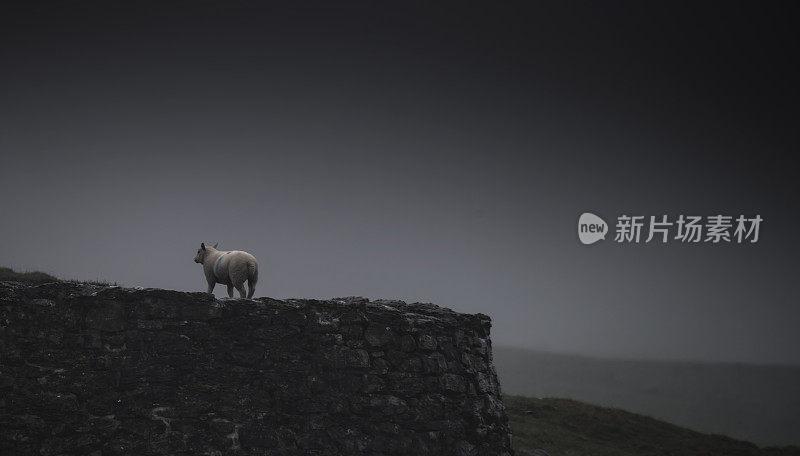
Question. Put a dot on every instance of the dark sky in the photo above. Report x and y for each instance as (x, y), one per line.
(426, 152)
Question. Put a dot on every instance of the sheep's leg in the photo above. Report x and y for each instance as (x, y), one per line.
(230, 291)
(252, 289)
(211, 287)
(240, 287)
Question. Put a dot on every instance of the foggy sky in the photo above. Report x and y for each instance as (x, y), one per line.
(437, 153)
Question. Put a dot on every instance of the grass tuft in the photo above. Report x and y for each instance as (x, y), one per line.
(38, 277)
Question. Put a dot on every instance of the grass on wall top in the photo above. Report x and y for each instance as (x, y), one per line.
(37, 277)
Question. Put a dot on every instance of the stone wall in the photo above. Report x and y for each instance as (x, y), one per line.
(106, 371)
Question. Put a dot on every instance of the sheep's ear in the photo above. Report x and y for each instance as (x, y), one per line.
(203, 245)
(216, 244)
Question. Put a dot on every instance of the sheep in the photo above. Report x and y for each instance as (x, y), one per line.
(230, 268)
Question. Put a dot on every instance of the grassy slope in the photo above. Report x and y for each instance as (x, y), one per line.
(757, 403)
(564, 427)
(41, 277)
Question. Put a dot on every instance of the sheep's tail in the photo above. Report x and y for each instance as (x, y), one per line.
(252, 278)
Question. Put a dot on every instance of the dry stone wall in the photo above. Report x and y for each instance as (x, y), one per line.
(115, 371)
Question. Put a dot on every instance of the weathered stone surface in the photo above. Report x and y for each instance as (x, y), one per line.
(114, 371)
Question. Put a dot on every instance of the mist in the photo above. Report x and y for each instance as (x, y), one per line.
(426, 153)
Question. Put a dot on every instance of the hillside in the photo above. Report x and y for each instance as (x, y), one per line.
(564, 427)
(757, 403)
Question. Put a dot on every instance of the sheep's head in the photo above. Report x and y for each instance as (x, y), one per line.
(202, 251)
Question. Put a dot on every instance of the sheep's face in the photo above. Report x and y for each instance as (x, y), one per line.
(201, 254)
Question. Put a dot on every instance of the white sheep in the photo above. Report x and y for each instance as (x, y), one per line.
(230, 268)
